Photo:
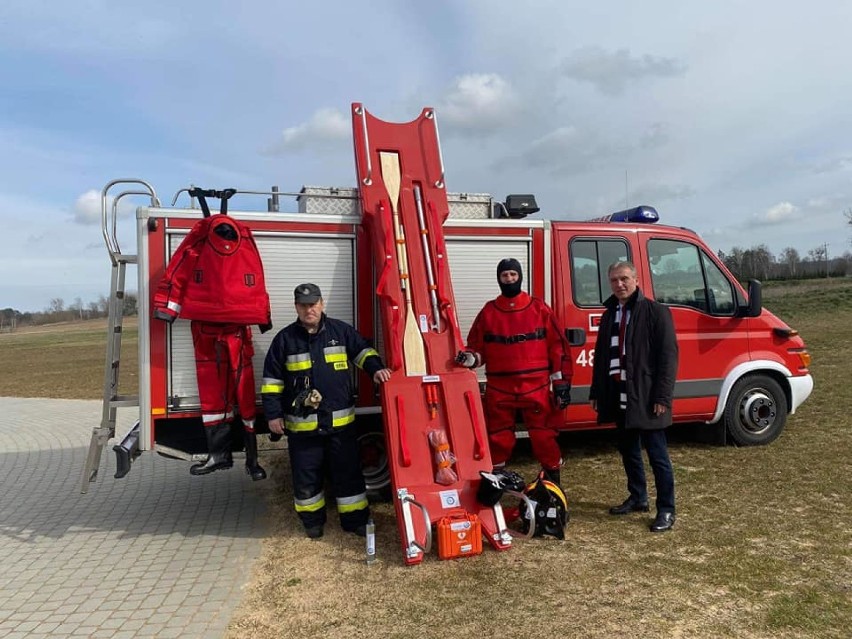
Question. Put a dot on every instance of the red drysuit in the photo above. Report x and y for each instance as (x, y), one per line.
(215, 278)
(215, 275)
(523, 348)
(225, 373)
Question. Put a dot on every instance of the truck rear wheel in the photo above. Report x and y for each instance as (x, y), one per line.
(756, 410)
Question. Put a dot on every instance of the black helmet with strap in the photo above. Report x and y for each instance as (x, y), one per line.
(551, 508)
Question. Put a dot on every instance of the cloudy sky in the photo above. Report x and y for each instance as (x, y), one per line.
(732, 118)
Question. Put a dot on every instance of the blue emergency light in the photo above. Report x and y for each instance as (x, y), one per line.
(636, 215)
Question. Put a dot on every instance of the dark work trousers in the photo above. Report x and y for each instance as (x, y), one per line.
(339, 453)
(630, 443)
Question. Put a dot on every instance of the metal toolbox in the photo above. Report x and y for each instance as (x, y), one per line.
(344, 201)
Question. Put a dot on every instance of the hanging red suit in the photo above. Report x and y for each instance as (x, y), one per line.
(215, 279)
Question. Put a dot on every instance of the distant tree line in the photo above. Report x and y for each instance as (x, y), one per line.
(758, 262)
(58, 311)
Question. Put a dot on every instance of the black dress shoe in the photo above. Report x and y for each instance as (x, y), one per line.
(663, 522)
(629, 506)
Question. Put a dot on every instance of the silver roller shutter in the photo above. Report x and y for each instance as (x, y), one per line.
(288, 260)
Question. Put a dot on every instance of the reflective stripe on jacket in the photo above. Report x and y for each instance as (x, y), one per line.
(298, 360)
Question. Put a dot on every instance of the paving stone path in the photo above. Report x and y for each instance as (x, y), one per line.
(158, 553)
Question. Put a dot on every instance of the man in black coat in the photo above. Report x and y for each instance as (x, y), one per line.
(633, 385)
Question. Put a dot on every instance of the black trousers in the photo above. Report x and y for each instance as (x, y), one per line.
(338, 452)
(630, 443)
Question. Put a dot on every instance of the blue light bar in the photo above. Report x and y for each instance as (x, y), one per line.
(639, 214)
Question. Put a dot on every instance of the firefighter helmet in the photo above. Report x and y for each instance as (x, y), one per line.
(551, 509)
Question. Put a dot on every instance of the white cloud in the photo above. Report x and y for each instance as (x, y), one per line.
(327, 128)
(87, 208)
(478, 103)
(779, 214)
(830, 165)
(611, 72)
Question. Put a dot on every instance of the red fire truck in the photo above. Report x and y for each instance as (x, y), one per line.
(741, 367)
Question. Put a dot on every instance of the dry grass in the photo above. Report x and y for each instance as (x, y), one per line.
(65, 361)
(762, 545)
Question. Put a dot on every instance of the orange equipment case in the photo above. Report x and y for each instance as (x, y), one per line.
(459, 535)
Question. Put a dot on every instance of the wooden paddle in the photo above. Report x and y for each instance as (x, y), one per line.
(412, 341)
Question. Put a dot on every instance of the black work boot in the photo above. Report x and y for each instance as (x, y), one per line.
(253, 469)
(552, 475)
(219, 449)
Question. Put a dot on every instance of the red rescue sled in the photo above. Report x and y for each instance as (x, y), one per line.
(404, 203)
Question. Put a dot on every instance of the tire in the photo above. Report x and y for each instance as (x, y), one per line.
(375, 465)
(756, 411)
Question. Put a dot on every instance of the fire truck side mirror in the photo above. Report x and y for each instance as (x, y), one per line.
(754, 306)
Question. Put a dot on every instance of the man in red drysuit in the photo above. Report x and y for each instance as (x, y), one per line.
(524, 350)
(215, 278)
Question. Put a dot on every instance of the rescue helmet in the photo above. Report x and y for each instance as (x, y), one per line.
(551, 509)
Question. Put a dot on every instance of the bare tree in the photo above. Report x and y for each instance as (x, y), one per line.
(77, 307)
(129, 306)
(790, 258)
(734, 262)
(756, 262)
(818, 255)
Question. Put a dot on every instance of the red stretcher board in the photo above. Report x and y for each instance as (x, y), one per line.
(413, 286)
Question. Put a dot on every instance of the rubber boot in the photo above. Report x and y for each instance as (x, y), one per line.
(552, 475)
(253, 469)
(218, 448)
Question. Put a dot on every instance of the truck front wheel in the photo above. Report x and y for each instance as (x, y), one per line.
(756, 410)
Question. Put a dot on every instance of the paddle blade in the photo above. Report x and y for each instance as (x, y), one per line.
(391, 176)
(412, 347)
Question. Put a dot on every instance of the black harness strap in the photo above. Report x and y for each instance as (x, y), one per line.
(201, 194)
(539, 333)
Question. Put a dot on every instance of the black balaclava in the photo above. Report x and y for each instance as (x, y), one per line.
(510, 264)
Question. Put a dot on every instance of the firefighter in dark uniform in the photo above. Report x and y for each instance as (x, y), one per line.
(308, 395)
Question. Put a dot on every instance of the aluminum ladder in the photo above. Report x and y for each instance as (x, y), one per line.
(112, 401)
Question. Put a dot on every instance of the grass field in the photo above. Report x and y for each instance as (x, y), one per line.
(65, 361)
(762, 545)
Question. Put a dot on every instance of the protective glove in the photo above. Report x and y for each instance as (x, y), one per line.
(306, 402)
(466, 359)
(562, 395)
